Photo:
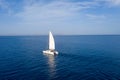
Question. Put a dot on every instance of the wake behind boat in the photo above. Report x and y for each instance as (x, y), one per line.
(51, 49)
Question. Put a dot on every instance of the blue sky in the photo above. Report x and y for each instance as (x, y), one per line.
(63, 17)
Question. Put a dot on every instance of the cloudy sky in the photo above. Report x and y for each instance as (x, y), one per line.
(63, 17)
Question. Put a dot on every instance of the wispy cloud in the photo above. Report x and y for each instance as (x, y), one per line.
(95, 17)
(2, 4)
(115, 2)
(110, 2)
(5, 6)
(52, 10)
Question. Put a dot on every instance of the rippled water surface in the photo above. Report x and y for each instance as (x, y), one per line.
(80, 58)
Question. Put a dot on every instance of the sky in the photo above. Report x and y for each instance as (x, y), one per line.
(62, 17)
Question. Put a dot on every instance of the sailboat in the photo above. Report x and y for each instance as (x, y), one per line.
(51, 49)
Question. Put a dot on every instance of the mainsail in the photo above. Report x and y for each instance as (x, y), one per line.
(51, 41)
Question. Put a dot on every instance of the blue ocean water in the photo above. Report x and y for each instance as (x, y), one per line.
(80, 58)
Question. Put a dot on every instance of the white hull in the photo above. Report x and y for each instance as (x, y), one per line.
(50, 52)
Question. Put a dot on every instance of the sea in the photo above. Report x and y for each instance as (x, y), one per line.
(81, 57)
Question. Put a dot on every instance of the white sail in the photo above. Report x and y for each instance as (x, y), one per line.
(51, 41)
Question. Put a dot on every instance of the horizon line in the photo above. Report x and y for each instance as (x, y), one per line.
(66, 35)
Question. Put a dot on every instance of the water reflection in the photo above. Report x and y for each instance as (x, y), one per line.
(52, 65)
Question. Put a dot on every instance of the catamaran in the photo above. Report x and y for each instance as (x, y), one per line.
(51, 49)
